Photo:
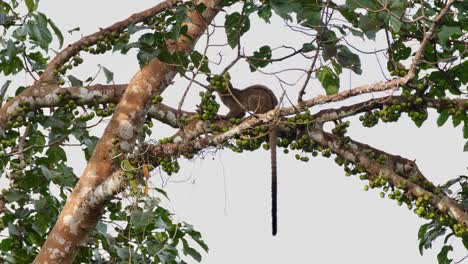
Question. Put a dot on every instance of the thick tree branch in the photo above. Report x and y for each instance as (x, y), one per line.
(102, 176)
(333, 114)
(90, 95)
(398, 171)
(36, 89)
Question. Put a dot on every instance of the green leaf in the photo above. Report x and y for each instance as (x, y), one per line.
(329, 40)
(11, 50)
(265, 13)
(14, 196)
(422, 230)
(443, 117)
(161, 223)
(109, 75)
(337, 67)
(13, 230)
(56, 154)
(39, 62)
(307, 12)
(190, 251)
(101, 227)
(442, 257)
(349, 60)
(54, 122)
(31, 4)
(260, 58)
(329, 51)
(3, 90)
(37, 140)
(329, 80)
(347, 12)
(395, 24)
(398, 6)
(462, 71)
(421, 237)
(283, 8)
(90, 143)
(235, 26)
(310, 17)
(141, 219)
(12, 67)
(7, 244)
(57, 32)
(32, 179)
(446, 32)
(6, 17)
(196, 236)
(50, 175)
(370, 24)
(308, 47)
(356, 32)
(158, 244)
(428, 233)
(465, 129)
(180, 16)
(446, 186)
(456, 120)
(465, 149)
(38, 31)
(161, 191)
(367, 4)
(447, 237)
(144, 57)
(200, 61)
(20, 90)
(127, 166)
(32, 237)
(74, 81)
(201, 7)
(123, 252)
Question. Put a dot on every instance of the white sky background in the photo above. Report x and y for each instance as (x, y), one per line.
(324, 217)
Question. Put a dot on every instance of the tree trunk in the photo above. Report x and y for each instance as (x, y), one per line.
(102, 176)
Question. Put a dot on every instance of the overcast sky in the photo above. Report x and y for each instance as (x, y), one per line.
(324, 217)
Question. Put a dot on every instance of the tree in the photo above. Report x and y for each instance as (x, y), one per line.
(106, 215)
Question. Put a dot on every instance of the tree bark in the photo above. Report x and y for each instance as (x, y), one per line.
(102, 176)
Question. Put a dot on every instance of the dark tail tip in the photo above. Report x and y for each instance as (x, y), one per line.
(274, 226)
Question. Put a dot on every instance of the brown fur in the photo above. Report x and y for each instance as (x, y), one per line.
(257, 99)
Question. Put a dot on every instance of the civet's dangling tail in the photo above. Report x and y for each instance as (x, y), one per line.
(258, 99)
(274, 182)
